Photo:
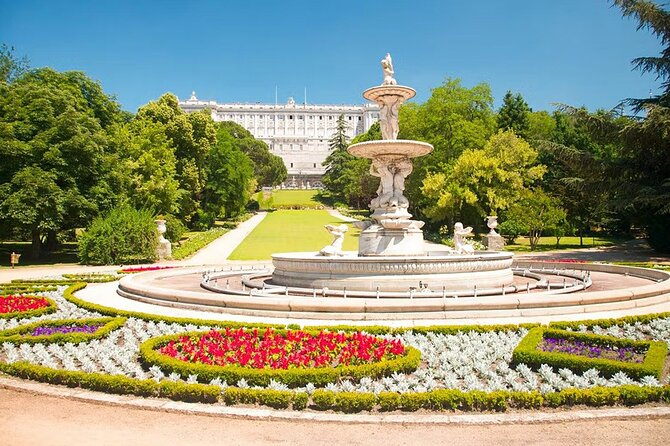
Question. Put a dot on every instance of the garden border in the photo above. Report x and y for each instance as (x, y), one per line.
(527, 353)
(628, 395)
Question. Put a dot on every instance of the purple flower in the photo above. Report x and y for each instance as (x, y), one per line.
(47, 330)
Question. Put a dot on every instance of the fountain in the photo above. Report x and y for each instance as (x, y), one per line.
(391, 254)
(393, 277)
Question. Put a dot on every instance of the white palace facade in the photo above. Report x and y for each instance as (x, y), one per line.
(299, 133)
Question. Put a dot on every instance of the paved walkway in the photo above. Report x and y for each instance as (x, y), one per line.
(219, 250)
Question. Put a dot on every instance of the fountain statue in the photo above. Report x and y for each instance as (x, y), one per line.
(391, 253)
(335, 248)
(391, 231)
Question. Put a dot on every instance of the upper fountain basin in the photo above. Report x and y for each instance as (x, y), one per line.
(372, 94)
(400, 148)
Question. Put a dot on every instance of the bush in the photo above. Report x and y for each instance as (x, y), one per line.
(412, 401)
(658, 235)
(175, 228)
(196, 243)
(300, 400)
(123, 236)
(388, 401)
(354, 402)
(323, 399)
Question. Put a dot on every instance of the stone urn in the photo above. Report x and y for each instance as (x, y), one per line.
(492, 223)
(164, 249)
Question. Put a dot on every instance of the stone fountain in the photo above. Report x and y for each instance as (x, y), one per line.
(391, 254)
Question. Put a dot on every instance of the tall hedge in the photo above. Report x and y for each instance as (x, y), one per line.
(123, 236)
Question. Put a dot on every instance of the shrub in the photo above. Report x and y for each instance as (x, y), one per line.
(277, 399)
(300, 400)
(323, 399)
(353, 402)
(175, 228)
(125, 235)
(412, 401)
(196, 243)
(449, 399)
(388, 401)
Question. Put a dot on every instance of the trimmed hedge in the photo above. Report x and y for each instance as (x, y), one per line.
(437, 400)
(606, 323)
(118, 384)
(18, 335)
(293, 377)
(528, 353)
(32, 313)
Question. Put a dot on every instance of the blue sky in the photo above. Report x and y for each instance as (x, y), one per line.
(576, 52)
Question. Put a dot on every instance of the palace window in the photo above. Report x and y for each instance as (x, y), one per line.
(290, 116)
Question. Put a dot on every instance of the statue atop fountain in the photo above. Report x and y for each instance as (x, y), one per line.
(391, 231)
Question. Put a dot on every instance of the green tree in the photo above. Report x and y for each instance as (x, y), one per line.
(453, 119)
(59, 123)
(11, 67)
(487, 180)
(655, 18)
(231, 178)
(514, 114)
(192, 136)
(535, 213)
(33, 202)
(269, 169)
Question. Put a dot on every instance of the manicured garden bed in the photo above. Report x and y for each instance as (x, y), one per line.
(580, 352)
(460, 367)
(295, 358)
(20, 305)
(62, 330)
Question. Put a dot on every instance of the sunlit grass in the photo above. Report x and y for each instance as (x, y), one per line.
(291, 230)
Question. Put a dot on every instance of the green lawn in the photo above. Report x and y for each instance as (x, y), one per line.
(290, 199)
(549, 243)
(291, 230)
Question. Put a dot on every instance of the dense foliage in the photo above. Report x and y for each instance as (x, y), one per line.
(125, 235)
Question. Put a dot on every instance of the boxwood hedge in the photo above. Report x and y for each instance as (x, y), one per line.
(527, 352)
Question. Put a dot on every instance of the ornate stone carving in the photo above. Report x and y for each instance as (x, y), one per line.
(335, 248)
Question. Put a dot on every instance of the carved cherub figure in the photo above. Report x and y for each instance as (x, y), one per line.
(335, 248)
(387, 68)
(460, 244)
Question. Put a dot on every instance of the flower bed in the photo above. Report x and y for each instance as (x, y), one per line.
(62, 331)
(18, 305)
(580, 352)
(274, 350)
(291, 357)
(141, 269)
(575, 347)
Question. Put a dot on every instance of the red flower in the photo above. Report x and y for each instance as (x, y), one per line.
(20, 304)
(294, 349)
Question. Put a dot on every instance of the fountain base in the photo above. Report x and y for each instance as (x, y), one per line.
(399, 238)
(393, 273)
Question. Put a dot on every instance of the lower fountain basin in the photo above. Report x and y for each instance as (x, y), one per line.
(393, 273)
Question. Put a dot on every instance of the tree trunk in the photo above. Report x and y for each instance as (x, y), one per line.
(581, 237)
(52, 241)
(36, 246)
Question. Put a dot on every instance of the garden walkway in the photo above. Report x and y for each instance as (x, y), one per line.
(219, 250)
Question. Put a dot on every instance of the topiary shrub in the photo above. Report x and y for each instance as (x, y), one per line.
(125, 235)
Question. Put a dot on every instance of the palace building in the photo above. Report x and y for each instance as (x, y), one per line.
(299, 133)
